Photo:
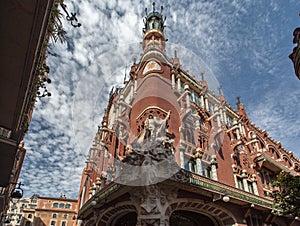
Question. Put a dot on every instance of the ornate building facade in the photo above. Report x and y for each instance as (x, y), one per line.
(170, 151)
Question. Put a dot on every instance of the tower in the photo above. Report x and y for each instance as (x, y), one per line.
(171, 152)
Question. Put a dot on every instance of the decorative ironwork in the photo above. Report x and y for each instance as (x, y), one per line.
(72, 18)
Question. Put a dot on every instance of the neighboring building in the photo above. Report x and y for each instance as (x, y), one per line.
(295, 55)
(40, 211)
(19, 208)
(171, 152)
(22, 42)
(51, 212)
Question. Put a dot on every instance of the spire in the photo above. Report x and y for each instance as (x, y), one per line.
(154, 20)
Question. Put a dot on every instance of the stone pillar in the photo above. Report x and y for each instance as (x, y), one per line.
(202, 100)
(178, 84)
(225, 116)
(214, 165)
(135, 84)
(187, 97)
(131, 91)
(254, 184)
(206, 104)
(237, 132)
(235, 181)
(199, 166)
(182, 158)
(216, 111)
(240, 129)
(221, 114)
(173, 80)
(245, 183)
(190, 166)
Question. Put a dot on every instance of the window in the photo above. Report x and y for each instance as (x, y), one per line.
(55, 205)
(68, 206)
(208, 172)
(54, 215)
(52, 223)
(61, 205)
(29, 215)
(192, 166)
(186, 165)
(240, 183)
(65, 216)
(250, 187)
(229, 121)
(211, 108)
(63, 223)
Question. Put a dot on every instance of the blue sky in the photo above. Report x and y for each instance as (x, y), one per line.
(241, 45)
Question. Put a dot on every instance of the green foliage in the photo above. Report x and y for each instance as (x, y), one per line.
(55, 28)
(287, 194)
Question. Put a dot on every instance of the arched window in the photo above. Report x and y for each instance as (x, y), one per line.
(287, 161)
(61, 205)
(55, 205)
(29, 215)
(297, 168)
(68, 206)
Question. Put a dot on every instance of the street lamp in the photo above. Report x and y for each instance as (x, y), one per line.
(17, 193)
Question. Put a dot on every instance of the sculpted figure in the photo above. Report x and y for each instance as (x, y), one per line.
(154, 128)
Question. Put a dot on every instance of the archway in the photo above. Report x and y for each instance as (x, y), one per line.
(189, 218)
(128, 219)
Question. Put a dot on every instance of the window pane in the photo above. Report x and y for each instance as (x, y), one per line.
(240, 183)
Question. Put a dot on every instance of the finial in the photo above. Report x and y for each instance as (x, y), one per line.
(220, 90)
(153, 4)
(125, 74)
(202, 76)
(175, 53)
(146, 11)
(238, 100)
(161, 9)
(111, 91)
(134, 60)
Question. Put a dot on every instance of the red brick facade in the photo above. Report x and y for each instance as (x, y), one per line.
(218, 152)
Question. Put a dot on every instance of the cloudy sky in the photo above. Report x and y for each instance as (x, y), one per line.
(241, 45)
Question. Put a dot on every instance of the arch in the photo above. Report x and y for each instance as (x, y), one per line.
(111, 216)
(218, 215)
(126, 219)
(90, 222)
(287, 160)
(297, 167)
(274, 152)
(190, 218)
(261, 141)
